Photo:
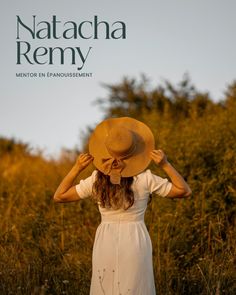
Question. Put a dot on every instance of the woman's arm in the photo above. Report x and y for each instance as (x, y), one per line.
(66, 191)
(180, 188)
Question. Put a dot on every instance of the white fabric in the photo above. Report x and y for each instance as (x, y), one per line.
(122, 250)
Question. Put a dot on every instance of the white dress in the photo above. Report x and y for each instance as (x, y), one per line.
(122, 250)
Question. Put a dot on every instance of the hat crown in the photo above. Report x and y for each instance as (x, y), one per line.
(120, 142)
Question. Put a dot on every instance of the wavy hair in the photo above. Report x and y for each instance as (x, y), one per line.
(110, 195)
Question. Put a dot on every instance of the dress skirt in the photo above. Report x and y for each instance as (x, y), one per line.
(122, 260)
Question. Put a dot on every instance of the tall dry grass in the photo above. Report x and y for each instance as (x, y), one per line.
(45, 248)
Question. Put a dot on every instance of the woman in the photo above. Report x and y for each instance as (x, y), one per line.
(121, 149)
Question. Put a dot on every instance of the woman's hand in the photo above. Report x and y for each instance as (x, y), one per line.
(159, 157)
(66, 191)
(180, 188)
(83, 161)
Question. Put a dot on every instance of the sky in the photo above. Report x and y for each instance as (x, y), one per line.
(164, 40)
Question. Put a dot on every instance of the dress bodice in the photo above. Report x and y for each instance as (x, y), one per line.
(143, 185)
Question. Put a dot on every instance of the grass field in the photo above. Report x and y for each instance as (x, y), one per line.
(46, 248)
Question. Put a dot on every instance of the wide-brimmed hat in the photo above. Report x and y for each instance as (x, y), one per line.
(121, 147)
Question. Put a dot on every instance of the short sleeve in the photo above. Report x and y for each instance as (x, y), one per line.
(157, 184)
(84, 187)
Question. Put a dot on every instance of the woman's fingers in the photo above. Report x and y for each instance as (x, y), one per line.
(87, 160)
(84, 159)
(157, 152)
(85, 156)
(158, 156)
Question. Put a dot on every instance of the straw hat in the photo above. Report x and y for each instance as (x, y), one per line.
(121, 147)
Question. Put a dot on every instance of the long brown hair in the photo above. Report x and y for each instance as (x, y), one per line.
(113, 196)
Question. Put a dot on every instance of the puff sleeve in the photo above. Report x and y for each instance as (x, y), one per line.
(157, 184)
(84, 187)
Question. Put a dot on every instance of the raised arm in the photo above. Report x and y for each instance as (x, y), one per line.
(66, 191)
(180, 188)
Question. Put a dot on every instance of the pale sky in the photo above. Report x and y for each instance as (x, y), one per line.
(165, 39)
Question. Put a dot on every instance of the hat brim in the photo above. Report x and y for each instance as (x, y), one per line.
(141, 157)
